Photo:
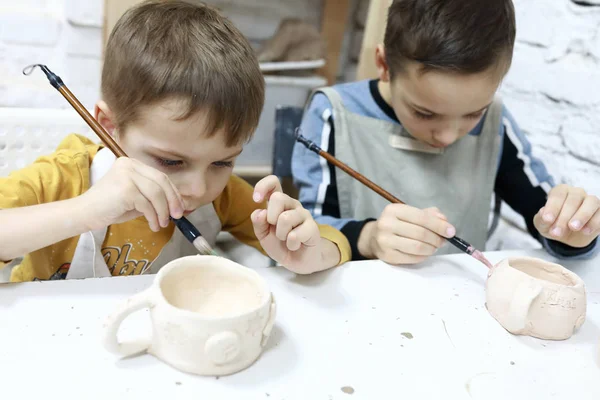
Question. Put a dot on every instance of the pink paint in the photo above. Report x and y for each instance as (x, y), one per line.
(479, 256)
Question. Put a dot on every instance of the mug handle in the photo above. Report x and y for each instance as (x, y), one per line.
(270, 322)
(521, 303)
(113, 322)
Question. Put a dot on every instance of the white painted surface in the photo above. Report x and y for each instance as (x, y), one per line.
(339, 328)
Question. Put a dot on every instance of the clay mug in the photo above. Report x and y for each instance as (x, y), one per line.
(533, 297)
(210, 316)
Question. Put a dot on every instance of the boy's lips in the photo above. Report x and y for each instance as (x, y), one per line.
(438, 145)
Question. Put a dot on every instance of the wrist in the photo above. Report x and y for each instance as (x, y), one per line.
(330, 254)
(365, 240)
(81, 213)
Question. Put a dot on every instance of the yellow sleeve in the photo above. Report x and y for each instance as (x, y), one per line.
(235, 206)
(61, 175)
(333, 235)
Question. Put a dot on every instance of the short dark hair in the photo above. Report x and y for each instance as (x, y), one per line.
(463, 36)
(161, 50)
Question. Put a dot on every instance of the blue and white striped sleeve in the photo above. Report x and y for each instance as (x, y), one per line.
(312, 174)
(523, 183)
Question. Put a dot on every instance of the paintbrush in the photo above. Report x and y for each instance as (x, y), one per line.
(456, 241)
(188, 230)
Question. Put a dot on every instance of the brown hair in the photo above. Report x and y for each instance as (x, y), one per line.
(464, 36)
(160, 50)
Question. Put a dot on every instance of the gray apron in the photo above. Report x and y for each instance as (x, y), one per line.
(459, 179)
(88, 261)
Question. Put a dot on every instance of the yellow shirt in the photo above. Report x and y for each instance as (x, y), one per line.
(129, 248)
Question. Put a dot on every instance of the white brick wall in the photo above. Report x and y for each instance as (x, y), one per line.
(553, 88)
(63, 34)
(67, 36)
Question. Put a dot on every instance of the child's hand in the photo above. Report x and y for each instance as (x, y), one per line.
(404, 234)
(286, 231)
(131, 189)
(570, 216)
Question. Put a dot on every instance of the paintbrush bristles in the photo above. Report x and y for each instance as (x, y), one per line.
(203, 247)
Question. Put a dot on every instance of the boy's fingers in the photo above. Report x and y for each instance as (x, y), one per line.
(585, 212)
(420, 234)
(265, 188)
(156, 196)
(436, 211)
(593, 225)
(304, 234)
(395, 257)
(570, 206)
(182, 206)
(287, 221)
(260, 224)
(278, 203)
(407, 246)
(175, 203)
(426, 220)
(554, 204)
(542, 226)
(144, 206)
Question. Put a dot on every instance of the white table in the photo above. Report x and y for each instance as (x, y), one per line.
(341, 328)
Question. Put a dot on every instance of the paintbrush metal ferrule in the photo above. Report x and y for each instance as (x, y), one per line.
(187, 228)
(310, 145)
(462, 245)
(192, 234)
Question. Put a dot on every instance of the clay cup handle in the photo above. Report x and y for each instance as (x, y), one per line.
(520, 305)
(113, 322)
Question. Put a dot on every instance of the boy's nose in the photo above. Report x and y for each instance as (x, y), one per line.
(447, 135)
(446, 140)
(195, 190)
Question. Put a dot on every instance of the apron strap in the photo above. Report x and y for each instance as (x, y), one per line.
(88, 261)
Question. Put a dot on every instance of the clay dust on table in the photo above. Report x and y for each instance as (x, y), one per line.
(348, 389)
(407, 335)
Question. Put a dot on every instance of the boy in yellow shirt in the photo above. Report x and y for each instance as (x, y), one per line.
(182, 92)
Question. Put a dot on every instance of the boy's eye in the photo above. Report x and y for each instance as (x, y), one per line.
(421, 115)
(223, 164)
(476, 115)
(168, 163)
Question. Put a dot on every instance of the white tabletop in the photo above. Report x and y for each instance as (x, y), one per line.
(386, 332)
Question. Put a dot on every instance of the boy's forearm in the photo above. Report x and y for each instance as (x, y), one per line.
(26, 229)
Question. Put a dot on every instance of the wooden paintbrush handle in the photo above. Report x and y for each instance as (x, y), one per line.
(361, 178)
(95, 125)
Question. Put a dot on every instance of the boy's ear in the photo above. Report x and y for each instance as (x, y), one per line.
(105, 117)
(382, 67)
